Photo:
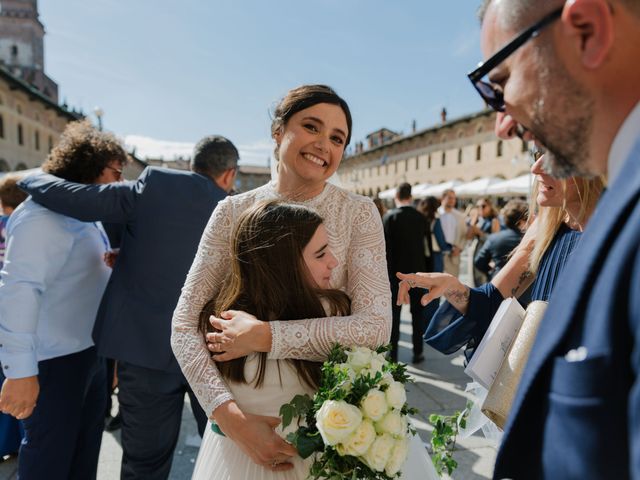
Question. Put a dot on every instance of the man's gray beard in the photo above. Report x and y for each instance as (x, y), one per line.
(565, 131)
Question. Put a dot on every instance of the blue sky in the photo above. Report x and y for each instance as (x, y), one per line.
(178, 70)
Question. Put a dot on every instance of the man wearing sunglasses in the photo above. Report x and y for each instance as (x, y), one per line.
(566, 75)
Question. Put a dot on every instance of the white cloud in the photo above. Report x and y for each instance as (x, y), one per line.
(146, 147)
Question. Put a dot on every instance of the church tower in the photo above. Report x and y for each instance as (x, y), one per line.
(22, 44)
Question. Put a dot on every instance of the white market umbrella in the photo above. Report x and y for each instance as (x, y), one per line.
(477, 187)
(519, 186)
(417, 191)
(387, 194)
(437, 190)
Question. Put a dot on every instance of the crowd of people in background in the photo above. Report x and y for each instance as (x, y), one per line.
(177, 311)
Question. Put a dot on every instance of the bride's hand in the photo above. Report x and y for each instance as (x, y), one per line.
(438, 284)
(255, 436)
(238, 334)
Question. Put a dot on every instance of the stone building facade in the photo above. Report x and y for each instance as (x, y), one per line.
(30, 123)
(22, 45)
(463, 149)
(30, 118)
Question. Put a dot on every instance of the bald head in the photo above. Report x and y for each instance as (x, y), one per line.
(518, 14)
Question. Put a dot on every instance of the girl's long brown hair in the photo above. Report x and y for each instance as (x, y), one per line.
(269, 279)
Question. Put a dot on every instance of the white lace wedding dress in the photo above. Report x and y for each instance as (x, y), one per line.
(356, 239)
(220, 459)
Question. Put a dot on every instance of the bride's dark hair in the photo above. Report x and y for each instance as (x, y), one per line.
(269, 279)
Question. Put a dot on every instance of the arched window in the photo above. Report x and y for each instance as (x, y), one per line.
(429, 162)
(478, 153)
(50, 144)
(20, 135)
(36, 139)
(4, 166)
(459, 155)
(21, 166)
(499, 148)
(444, 158)
(417, 163)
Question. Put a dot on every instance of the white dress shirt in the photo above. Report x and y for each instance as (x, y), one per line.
(623, 143)
(52, 281)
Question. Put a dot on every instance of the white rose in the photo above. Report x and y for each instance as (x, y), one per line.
(392, 423)
(359, 441)
(336, 420)
(374, 405)
(359, 358)
(398, 456)
(379, 452)
(377, 362)
(396, 395)
(387, 379)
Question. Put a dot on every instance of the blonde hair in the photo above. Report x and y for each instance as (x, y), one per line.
(551, 218)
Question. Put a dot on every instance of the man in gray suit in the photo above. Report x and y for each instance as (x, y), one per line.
(164, 214)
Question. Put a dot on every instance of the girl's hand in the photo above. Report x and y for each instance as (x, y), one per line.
(237, 335)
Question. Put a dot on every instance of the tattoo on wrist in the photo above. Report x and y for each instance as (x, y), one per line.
(526, 275)
(458, 297)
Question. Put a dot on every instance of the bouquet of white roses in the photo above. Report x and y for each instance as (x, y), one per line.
(357, 422)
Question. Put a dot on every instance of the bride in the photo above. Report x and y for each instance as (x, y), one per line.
(311, 127)
(281, 268)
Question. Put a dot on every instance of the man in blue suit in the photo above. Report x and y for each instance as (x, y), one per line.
(164, 214)
(568, 74)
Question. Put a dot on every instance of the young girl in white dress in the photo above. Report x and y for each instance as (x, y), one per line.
(281, 267)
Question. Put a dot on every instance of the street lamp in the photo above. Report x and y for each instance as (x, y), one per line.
(98, 112)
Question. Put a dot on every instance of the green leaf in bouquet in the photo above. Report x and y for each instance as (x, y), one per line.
(307, 441)
(299, 406)
(287, 412)
(338, 354)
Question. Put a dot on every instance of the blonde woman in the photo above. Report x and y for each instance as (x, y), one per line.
(563, 209)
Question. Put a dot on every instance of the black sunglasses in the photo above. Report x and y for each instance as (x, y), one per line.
(490, 94)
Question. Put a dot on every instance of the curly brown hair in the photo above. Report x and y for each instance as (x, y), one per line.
(83, 152)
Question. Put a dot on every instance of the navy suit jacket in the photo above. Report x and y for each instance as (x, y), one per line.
(164, 213)
(581, 419)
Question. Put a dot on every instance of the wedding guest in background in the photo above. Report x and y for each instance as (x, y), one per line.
(52, 281)
(405, 234)
(164, 212)
(572, 80)
(435, 247)
(10, 197)
(494, 253)
(455, 230)
(482, 222)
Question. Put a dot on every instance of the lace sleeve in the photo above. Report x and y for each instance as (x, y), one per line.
(202, 283)
(367, 286)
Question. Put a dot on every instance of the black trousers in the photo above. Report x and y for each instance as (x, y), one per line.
(151, 403)
(418, 324)
(63, 435)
